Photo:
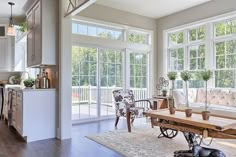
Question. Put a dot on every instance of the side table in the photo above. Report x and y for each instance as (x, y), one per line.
(161, 102)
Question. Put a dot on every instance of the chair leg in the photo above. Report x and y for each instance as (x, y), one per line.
(117, 120)
(128, 121)
(152, 122)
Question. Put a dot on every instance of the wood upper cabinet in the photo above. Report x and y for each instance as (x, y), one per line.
(42, 36)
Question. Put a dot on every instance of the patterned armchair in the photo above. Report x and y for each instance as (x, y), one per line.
(126, 106)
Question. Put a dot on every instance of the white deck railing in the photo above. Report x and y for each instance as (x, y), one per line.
(88, 94)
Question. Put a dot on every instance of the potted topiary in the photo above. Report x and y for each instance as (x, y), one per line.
(29, 83)
(206, 75)
(186, 76)
(172, 76)
(164, 92)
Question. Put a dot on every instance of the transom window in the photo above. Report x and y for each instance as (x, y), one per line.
(97, 31)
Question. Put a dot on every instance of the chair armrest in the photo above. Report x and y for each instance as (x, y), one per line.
(145, 100)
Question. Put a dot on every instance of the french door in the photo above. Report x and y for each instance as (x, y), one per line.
(96, 72)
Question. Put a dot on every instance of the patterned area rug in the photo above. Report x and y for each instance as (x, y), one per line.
(143, 142)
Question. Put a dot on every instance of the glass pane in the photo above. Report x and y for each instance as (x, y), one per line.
(179, 84)
(75, 80)
(230, 61)
(111, 56)
(92, 31)
(104, 81)
(138, 70)
(111, 81)
(173, 53)
(132, 61)
(220, 62)
(144, 59)
(138, 82)
(118, 70)
(118, 57)
(144, 70)
(225, 79)
(193, 35)
(103, 57)
(172, 39)
(132, 69)
(201, 63)
(230, 46)
(193, 64)
(84, 80)
(193, 52)
(180, 64)
(92, 68)
(111, 69)
(144, 82)
(132, 84)
(82, 29)
(180, 53)
(93, 81)
(220, 48)
(138, 38)
(138, 58)
(74, 28)
(220, 29)
(180, 38)
(201, 33)
(196, 81)
(201, 51)
(84, 68)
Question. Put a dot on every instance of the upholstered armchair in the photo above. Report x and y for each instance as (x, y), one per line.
(127, 106)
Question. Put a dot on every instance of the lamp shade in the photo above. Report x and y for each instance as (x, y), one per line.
(11, 31)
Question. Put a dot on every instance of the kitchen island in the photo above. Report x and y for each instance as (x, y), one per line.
(32, 112)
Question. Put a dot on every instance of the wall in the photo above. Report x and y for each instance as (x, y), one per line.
(200, 12)
(103, 13)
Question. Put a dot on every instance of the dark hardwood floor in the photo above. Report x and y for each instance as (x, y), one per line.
(79, 146)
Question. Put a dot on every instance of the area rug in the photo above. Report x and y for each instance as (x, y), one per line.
(143, 142)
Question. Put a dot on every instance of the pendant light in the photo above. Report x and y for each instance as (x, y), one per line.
(11, 30)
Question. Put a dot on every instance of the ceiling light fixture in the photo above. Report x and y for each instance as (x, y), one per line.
(11, 30)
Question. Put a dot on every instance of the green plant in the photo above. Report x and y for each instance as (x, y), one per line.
(206, 75)
(185, 75)
(23, 27)
(172, 75)
(29, 82)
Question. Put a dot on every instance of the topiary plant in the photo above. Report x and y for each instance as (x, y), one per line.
(206, 75)
(172, 75)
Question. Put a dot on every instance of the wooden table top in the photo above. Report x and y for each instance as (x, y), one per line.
(214, 123)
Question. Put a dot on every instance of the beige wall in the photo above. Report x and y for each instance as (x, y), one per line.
(103, 13)
(204, 11)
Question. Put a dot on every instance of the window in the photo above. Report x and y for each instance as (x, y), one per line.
(138, 70)
(211, 45)
(225, 54)
(96, 31)
(192, 50)
(140, 38)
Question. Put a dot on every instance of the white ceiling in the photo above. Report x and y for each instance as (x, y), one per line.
(151, 8)
(17, 9)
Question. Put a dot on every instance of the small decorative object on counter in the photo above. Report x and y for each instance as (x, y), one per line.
(29, 83)
(43, 80)
(37, 82)
(164, 92)
(47, 81)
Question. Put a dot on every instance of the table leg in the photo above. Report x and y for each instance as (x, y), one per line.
(128, 120)
(2, 90)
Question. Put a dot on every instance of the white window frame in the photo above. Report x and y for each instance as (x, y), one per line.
(209, 41)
